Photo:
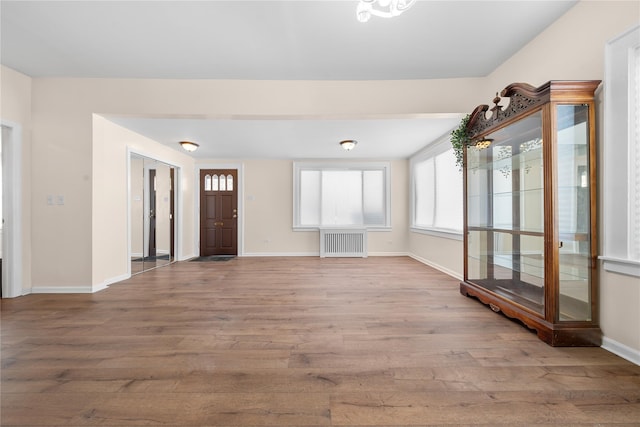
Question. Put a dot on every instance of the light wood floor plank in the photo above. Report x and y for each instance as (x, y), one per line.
(295, 342)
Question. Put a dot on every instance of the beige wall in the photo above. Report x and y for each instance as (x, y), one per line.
(442, 253)
(572, 48)
(396, 241)
(15, 107)
(61, 165)
(110, 207)
(268, 212)
(620, 309)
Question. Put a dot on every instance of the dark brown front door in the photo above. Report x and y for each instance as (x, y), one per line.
(218, 212)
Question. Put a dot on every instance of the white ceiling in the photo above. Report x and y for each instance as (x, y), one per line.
(272, 40)
(295, 138)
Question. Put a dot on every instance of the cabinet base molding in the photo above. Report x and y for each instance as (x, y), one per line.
(565, 334)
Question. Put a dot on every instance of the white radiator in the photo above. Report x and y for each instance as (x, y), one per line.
(343, 242)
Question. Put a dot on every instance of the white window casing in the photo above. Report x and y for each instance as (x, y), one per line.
(621, 154)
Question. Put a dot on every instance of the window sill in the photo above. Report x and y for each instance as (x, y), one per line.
(446, 234)
(346, 227)
(621, 266)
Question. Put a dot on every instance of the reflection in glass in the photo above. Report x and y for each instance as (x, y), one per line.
(229, 182)
(207, 182)
(574, 212)
(215, 185)
(152, 215)
(222, 183)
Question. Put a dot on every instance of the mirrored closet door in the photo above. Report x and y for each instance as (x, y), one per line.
(152, 213)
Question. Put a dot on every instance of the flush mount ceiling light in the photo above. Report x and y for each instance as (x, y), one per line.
(189, 146)
(348, 144)
(381, 8)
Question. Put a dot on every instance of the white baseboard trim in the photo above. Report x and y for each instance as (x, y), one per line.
(388, 254)
(62, 290)
(79, 289)
(136, 255)
(436, 266)
(317, 254)
(272, 254)
(619, 349)
(111, 281)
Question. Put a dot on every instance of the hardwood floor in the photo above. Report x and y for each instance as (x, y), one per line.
(296, 342)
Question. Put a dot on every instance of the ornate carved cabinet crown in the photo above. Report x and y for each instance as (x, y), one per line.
(530, 243)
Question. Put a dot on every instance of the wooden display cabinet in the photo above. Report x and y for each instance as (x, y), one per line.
(530, 210)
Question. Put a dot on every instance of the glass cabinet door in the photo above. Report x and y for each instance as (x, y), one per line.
(505, 213)
(573, 212)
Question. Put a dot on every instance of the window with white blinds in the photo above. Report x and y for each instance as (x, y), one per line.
(436, 190)
(341, 195)
(621, 154)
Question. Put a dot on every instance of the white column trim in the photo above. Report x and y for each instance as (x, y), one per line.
(12, 283)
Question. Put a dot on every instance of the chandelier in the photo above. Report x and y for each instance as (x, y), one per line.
(381, 8)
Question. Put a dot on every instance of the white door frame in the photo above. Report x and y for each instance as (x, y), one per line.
(177, 224)
(12, 209)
